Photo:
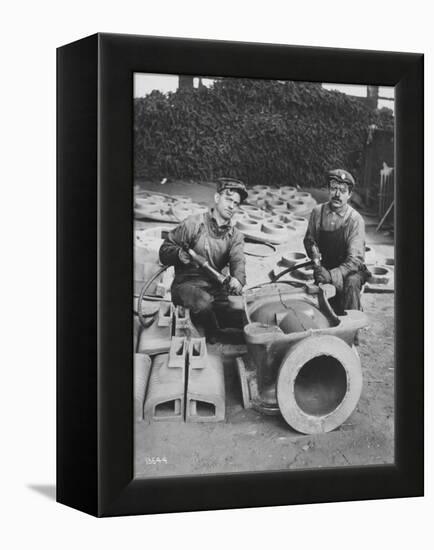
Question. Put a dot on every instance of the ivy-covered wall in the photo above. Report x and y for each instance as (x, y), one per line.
(263, 132)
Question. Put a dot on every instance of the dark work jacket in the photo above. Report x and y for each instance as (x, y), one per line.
(220, 245)
(353, 232)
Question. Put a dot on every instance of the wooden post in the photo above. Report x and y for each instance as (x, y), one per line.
(185, 82)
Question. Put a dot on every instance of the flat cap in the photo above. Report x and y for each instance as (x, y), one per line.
(233, 185)
(341, 176)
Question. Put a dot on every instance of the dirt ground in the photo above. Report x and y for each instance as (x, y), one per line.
(249, 441)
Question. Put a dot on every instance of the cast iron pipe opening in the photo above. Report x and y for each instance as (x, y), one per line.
(320, 385)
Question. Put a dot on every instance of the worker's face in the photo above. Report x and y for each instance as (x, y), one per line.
(339, 195)
(226, 203)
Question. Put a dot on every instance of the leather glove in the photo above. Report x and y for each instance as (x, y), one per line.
(322, 275)
(184, 257)
(235, 287)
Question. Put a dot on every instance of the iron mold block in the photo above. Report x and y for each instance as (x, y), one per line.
(165, 314)
(178, 352)
(197, 353)
(205, 393)
(166, 392)
(154, 339)
(182, 317)
(142, 370)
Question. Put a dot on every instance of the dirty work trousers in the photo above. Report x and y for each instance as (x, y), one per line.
(205, 300)
(333, 248)
(349, 297)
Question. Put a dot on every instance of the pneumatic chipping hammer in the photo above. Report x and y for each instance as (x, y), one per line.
(204, 264)
(314, 262)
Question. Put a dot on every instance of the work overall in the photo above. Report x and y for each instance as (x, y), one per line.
(333, 248)
(205, 297)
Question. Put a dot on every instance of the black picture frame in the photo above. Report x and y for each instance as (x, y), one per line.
(95, 263)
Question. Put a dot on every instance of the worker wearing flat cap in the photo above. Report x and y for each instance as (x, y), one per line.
(338, 231)
(212, 236)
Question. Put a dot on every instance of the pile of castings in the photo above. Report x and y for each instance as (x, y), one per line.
(381, 268)
(176, 379)
(274, 215)
(165, 208)
(301, 362)
(270, 215)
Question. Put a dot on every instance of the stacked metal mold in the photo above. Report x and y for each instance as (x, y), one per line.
(176, 378)
(382, 269)
(275, 215)
(165, 208)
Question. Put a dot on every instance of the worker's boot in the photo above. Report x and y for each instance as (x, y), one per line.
(228, 335)
(206, 322)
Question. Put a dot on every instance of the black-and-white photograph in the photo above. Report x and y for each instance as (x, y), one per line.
(263, 275)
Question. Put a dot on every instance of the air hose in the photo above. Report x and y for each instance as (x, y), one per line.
(146, 319)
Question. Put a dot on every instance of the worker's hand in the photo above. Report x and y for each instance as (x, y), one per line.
(235, 287)
(322, 275)
(184, 257)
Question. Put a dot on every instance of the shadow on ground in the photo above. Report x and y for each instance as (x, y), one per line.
(48, 491)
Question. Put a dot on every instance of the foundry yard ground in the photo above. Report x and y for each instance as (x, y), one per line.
(249, 441)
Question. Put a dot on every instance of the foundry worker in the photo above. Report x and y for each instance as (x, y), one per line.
(338, 231)
(212, 236)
